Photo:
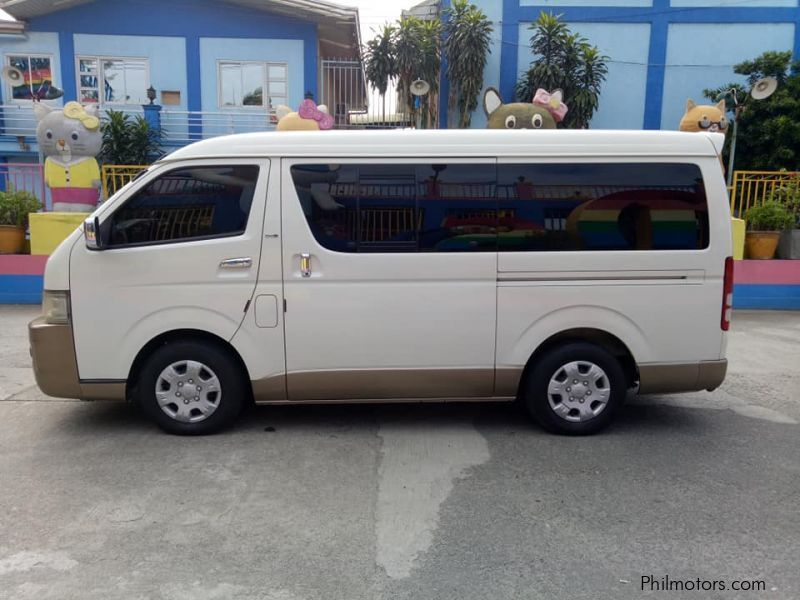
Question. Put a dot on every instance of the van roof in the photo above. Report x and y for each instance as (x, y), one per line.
(395, 143)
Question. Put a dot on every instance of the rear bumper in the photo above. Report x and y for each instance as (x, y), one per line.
(663, 378)
(54, 362)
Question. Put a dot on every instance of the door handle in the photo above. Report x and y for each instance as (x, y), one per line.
(236, 263)
(305, 264)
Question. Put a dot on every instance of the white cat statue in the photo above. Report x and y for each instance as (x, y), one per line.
(70, 139)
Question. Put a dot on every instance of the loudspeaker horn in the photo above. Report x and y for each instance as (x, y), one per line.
(764, 88)
(420, 87)
(12, 75)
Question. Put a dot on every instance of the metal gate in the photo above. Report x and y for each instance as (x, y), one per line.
(350, 100)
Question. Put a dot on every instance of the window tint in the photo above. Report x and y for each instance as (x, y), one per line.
(187, 203)
(399, 207)
(601, 206)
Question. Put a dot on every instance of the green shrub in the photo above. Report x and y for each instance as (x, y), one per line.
(128, 141)
(15, 206)
(788, 194)
(769, 216)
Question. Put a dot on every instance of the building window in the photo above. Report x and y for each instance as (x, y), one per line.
(37, 76)
(113, 80)
(245, 83)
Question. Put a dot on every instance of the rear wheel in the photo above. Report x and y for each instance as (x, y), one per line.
(575, 389)
(191, 388)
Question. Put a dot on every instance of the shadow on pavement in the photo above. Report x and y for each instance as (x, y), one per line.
(109, 417)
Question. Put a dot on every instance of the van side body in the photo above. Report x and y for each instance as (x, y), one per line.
(401, 266)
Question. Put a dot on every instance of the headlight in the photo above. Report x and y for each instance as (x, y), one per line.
(55, 307)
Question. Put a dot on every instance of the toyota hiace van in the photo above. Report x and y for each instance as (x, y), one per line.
(561, 268)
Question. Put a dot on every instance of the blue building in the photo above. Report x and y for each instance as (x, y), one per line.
(218, 66)
(661, 51)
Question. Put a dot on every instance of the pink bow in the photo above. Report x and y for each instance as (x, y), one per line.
(552, 102)
(309, 110)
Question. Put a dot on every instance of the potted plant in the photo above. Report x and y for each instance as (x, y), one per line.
(14, 209)
(788, 194)
(764, 225)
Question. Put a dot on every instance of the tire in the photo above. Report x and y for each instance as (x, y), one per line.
(559, 404)
(216, 387)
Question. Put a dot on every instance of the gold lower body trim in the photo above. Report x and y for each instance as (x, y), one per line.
(54, 364)
(393, 385)
(357, 384)
(666, 378)
(389, 401)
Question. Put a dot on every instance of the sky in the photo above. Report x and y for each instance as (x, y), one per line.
(374, 13)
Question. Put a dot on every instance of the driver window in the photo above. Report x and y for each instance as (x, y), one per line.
(185, 204)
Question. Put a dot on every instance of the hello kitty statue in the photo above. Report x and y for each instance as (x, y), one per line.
(70, 139)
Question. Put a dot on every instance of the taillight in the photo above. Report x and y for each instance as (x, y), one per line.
(727, 295)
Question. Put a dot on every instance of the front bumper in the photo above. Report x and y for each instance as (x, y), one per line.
(54, 362)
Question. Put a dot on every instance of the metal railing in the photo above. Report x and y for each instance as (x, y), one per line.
(17, 120)
(114, 177)
(180, 127)
(751, 188)
(27, 177)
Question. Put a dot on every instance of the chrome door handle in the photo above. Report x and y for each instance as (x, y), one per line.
(236, 263)
(305, 264)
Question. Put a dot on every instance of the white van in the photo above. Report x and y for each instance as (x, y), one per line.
(563, 268)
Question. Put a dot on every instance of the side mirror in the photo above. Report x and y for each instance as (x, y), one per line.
(91, 233)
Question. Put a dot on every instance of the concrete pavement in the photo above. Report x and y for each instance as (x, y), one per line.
(423, 502)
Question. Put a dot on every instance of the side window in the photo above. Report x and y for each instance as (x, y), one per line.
(602, 206)
(399, 207)
(186, 204)
(459, 207)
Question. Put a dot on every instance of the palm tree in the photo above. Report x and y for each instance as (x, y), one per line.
(566, 61)
(380, 64)
(590, 75)
(467, 32)
(408, 52)
(430, 63)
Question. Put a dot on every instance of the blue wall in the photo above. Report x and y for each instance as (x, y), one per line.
(16, 118)
(215, 49)
(491, 74)
(705, 53)
(21, 289)
(625, 85)
(166, 56)
(661, 51)
(158, 25)
(33, 43)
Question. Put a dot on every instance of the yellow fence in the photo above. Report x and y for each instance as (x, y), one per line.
(115, 176)
(751, 188)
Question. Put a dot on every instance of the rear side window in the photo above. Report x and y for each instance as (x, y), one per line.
(528, 207)
(186, 204)
(394, 207)
(601, 206)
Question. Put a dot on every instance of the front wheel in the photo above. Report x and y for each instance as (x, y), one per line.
(575, 389)
(191, 388)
